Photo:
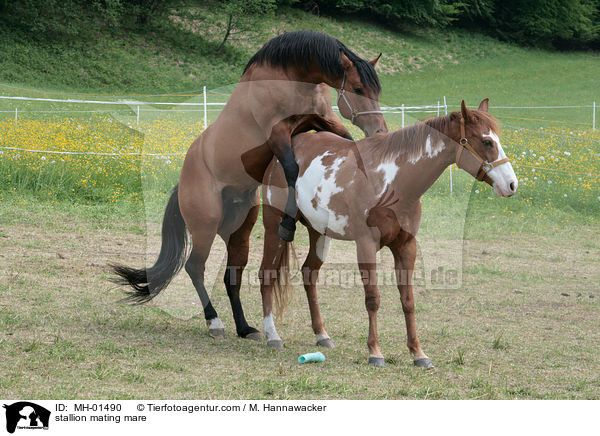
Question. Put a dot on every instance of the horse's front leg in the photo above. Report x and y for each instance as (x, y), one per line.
(280, 143)
(366, 253)
(319, 247)
(238, 247)
(404, 249)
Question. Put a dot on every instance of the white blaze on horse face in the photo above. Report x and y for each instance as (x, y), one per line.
(269, 328)
(503, 175)
(319, 183)
(323, 245)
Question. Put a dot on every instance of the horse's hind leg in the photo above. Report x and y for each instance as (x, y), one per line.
(202, 213)
(319, 247)
(238, 247)
(404, 249)
(366, 252)
(272, 252)
(195, 267)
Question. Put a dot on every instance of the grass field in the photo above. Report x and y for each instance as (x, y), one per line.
(522, 324)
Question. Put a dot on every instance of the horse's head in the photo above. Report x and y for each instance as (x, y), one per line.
(480, 152)
(358, 94)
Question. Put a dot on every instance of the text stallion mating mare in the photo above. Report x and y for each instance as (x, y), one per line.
(284, 90)
(375, 203)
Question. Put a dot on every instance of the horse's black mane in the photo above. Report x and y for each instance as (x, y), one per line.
(303, 47)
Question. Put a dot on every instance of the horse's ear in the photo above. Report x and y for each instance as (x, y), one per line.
(374, 61)
(484, 105)
(464, 111)
(346, 63)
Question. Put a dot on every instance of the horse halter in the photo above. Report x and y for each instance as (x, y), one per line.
(353, 112)
(472, 162)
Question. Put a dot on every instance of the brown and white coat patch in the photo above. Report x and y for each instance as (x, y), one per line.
(315, 187)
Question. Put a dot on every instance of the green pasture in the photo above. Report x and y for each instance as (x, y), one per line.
(523, 323)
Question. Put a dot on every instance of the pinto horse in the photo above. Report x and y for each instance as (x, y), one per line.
(376, 206)
(283, 90)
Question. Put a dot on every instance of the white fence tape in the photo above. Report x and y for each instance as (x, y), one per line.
(120, 102)
(83, 153)
(142, 106)
(208, 106)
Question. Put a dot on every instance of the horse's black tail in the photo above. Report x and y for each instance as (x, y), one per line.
(148, 282)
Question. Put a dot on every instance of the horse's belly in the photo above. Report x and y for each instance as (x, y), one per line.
(231, 172)
(319, 196)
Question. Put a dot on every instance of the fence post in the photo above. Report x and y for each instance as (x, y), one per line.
(16, 115)
(138, 115)
(446, 113)
(594, 118)
(438, 109)
(403, 115)
(205, 109)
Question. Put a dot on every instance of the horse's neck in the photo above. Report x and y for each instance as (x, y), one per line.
(414, 182)
(265, 96)
(414, 166)
(266, 72)
(269, 95)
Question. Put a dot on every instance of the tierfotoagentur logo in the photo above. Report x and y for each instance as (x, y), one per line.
(26, 415)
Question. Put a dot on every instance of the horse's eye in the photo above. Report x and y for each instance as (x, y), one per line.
(358, 91)
(488, 143)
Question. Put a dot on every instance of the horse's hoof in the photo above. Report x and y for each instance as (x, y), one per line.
(325, 343)
(250, 333)
(254, 336)
(377, 362)
(286, 234)
(216, 333)
(423, 362)
(275, 343)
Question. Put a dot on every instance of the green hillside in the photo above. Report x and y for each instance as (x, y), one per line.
(179, 54)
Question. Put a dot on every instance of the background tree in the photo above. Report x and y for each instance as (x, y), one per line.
(394, 12)
(547, 23)
(544, 23)
(241, 16)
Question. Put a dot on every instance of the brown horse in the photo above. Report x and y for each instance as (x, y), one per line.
(284, 90)
(375, 207)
